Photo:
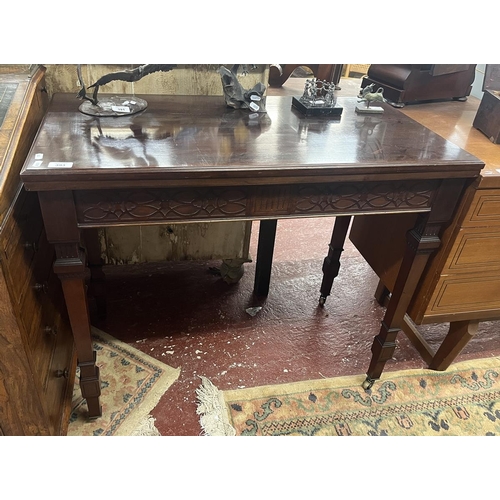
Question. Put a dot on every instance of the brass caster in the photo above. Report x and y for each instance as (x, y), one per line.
(368, 383)
(396, 104)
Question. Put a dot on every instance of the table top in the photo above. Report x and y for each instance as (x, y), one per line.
(185, 139)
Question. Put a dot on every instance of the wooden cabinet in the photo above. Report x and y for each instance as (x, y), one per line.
(469, 283)
(487, 118)
(37, 361)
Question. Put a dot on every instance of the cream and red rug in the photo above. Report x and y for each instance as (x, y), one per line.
(462, 401)
(132, 383)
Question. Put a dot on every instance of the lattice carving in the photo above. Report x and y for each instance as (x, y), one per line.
(157, 205)
(160, 205)
(360, 197)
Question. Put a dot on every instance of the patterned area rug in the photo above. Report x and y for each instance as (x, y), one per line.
(462, 401)
(131, 385)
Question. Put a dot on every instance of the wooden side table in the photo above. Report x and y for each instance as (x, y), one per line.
(282, 166)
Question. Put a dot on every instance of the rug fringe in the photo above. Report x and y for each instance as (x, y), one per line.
(146, 428)
(211, 408)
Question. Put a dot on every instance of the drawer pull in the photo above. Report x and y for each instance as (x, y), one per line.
(50, 330)
(41, 287)
(62, 373)
(31, 246)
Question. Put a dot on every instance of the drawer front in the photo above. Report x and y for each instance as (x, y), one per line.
(42, 340)
(58, 393)
(467, 293)
(475, 250)
(49, 337)
(22, 243)
(42, 328)
(37, 312)
(485, 209)
(34, 295)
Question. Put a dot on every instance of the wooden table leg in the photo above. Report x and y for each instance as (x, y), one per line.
(458, 336)
(60, 222)
(265, 249)
(72, 276)
(382, 294)
(421, 242)
(97, 288)
(331, 263)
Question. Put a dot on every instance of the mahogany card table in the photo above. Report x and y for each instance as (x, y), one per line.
(191, 158)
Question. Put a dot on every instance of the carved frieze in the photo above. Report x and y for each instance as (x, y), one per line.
(352, 197)
(109, 207)
(160, 205)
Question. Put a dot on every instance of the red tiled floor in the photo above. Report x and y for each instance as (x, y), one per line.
(183, 315)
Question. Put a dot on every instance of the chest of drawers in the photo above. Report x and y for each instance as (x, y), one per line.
(37, 361)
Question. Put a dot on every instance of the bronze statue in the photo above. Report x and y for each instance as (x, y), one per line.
(369, 95)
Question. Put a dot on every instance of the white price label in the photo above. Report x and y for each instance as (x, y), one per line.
(38, 156)
(37, 164)
(60, 164)
(120, 109)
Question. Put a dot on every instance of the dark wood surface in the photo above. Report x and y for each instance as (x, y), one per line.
(192, 158)
(182, 140)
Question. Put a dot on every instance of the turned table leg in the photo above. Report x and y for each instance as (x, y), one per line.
(458, 336)
(62, 231)
(331, 263)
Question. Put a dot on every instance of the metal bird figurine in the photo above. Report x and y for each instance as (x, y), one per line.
(128, 75)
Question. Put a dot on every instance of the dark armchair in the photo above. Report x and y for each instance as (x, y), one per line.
(413, 83)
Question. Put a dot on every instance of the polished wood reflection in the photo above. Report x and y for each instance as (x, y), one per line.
(178, 139)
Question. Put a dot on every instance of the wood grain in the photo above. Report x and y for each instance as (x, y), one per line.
(30, 403)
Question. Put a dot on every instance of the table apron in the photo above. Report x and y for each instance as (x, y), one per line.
(115, 207)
